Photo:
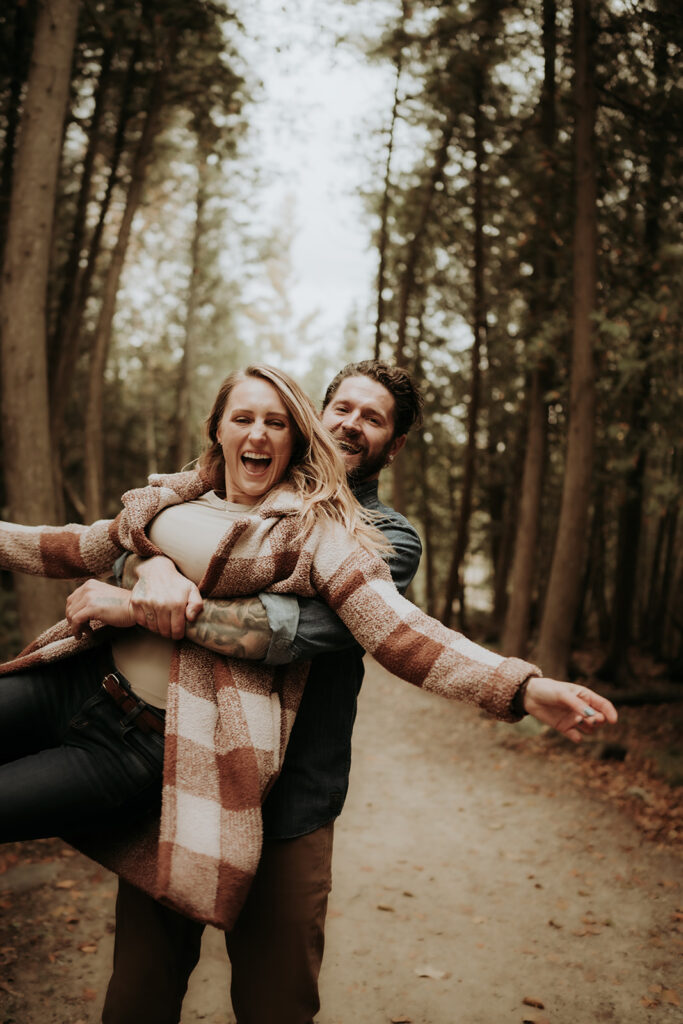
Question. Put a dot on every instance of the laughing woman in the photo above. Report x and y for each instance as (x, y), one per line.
(82, 740)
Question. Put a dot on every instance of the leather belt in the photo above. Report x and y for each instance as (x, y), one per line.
(145, 718)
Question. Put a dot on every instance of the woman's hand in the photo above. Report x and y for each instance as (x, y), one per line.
(97, 600)
(163, 600)
(567, 707)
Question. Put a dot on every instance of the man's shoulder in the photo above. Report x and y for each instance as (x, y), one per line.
(369, 498)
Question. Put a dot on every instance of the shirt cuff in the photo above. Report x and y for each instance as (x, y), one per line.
(117, 568)
(283, 618)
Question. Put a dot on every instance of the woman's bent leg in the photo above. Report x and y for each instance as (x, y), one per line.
(99, 768)
(37, 705)
(155, 951)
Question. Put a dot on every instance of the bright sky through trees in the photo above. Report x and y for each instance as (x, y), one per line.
(315, 127)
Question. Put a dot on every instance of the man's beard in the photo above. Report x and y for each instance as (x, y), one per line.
(369, 465)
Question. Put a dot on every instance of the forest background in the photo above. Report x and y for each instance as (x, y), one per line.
(522, 191)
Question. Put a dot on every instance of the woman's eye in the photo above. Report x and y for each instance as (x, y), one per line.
(277, 423)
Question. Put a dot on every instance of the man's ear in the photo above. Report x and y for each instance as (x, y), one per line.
(396, 445)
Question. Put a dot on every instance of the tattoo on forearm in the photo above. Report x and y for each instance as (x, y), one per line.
(238, 628)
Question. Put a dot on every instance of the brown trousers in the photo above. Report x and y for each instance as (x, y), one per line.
(275, 948)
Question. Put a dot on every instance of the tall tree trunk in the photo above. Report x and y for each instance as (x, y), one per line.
(564, 587)
(413, 252)
(414, 247)
(454, 583)
(517, 618)
(26, 430)
(70, 274)
(94, 447)
(518, 614)
(23, 25)
(383, 242)
(68, 345)
(616, 665)
(185, 426)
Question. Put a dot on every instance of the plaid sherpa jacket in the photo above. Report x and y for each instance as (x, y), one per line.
(228, 721)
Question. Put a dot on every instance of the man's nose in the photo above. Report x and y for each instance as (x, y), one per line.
(351, 421)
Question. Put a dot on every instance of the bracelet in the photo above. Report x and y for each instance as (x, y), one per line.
(517, 702)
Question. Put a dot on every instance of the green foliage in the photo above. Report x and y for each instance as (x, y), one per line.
(446, 51)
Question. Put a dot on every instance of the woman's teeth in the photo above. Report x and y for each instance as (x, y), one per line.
(256, 461)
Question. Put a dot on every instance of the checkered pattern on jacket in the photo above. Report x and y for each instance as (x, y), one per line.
(228, 721)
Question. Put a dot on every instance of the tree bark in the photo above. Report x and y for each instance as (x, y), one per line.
(517, 619)
(454, 585)
(524, 566)
(616, 666)
(26, 431)
(70, 273)
(563, 594)
(94, 437)
(185, 427)
(68, 346)
(414, 247)
(384, 212)
(23, 19)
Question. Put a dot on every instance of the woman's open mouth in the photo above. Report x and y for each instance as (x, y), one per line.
(255, 463)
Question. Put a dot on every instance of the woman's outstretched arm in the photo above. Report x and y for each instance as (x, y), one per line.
(421, 650)
(60, 552)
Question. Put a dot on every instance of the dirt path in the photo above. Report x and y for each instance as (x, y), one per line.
(468, 878)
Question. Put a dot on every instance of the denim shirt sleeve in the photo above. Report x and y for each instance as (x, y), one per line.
(317, 630)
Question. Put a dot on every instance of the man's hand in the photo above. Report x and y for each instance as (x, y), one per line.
(567, 707)
(162, 599)
(97, 600)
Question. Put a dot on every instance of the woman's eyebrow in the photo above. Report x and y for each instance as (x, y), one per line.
(270, 412)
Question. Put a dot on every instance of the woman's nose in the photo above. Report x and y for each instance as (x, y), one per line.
(258, 430)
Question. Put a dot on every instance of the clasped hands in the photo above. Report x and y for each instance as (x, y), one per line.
(162, 600)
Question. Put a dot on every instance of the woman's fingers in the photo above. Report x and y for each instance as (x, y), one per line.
(571, 709)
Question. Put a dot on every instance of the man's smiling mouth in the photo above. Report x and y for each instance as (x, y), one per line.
(350, 449)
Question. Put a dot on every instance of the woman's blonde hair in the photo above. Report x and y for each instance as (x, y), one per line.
(316, 469)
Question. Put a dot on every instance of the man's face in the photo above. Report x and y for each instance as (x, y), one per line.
(360, 417)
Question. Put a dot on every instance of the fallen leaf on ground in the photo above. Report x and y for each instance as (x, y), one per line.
(669, 995)
(431, 972)
(385, 906)
(530, 1001)
(89, 994)
(65, 883)
(88, 947)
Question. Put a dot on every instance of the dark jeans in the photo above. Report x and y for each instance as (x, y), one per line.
(70, 759)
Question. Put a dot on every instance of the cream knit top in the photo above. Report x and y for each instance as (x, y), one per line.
(189, 534)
